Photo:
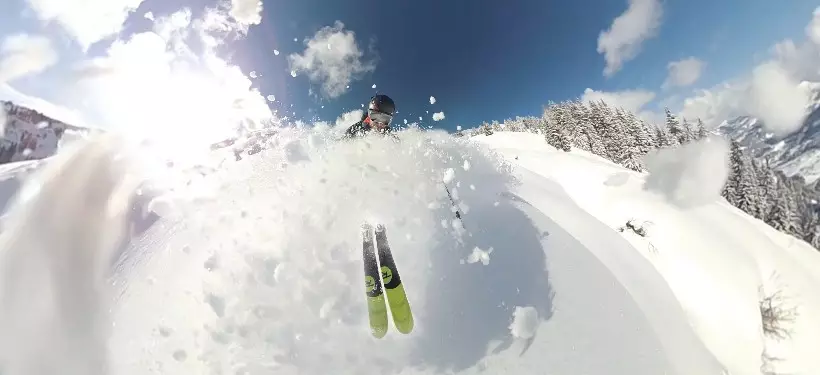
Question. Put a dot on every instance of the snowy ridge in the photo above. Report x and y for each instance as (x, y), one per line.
(796, 154)
(258, 269)
(30, 135)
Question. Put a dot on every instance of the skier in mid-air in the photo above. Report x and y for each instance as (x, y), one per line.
(378, 117)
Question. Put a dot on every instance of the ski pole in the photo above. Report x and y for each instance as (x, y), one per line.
(458, 213)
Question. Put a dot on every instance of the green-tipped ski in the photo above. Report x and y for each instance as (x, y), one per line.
(376, 307)
(383, 279)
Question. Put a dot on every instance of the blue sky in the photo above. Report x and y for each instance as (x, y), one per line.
(487, 61)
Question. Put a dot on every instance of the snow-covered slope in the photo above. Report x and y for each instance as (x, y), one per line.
(259, 271)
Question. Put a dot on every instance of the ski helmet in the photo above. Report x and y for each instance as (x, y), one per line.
(382, 103)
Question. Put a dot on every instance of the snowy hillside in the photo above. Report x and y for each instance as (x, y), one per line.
(30, 135)
(797, 153)
(256, 266)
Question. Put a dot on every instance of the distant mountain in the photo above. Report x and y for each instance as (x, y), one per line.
(797, 153)
(30, 135)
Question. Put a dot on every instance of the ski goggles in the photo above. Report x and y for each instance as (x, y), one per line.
(380, 117)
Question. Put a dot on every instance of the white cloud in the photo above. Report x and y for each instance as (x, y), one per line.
(87, 21)
(24, 54)
(634, 101)
(438, 116)
(714, 105)
(813, 28)
(432, 100)
(336, 67)
(247, 12)
(684, 72)
(622, 42)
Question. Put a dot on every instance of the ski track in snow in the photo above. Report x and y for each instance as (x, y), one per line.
(256, 267)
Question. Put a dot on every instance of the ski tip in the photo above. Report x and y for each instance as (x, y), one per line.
(406, 325)
(378, 332)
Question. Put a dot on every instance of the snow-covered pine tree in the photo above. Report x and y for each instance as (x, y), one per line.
(631, 154)
(640, 131)
(663, 139)
(674, 128)
(555, 122)
(688, 131)
(531, 124)
(800, 204)
(735, 168)
(778, 218)
(783, 216)
(766, 187)
(746, 186)
(596, 140)
(612, 134)
(812, 230)
(580, 119)
(700, 130)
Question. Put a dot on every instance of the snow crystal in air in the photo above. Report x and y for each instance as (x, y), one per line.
(449, 175)
(295, 39)
(438, 116)
(253, 74)
(525, 322)
(276, 52)
(293, 73)
(458, 127)
(405, 121)
(432, 100)
(271, 98)
(420, 118)
(374, 86)
(466, 165)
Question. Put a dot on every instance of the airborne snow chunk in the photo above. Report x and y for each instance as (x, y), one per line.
(449, 175)
(480, 255)
(525, 322)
